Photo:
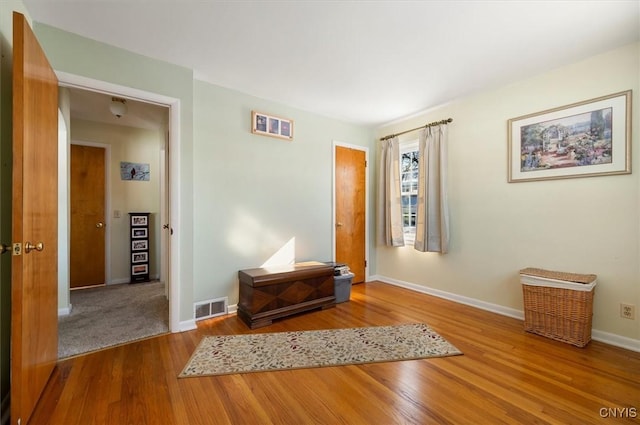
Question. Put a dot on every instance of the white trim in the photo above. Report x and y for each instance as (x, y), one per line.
(174, 281)
(232, 309)
(495, 308)
(617, 340)
(107, 201)
(64, 311)
(409, 145)
(366, 202)
(187, 325)
(406, 146)
(596, 335)
(66, 79)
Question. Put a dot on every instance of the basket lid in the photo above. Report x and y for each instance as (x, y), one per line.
(550, 274)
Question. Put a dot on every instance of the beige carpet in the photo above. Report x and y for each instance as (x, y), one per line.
(112, 315)
(219, 355)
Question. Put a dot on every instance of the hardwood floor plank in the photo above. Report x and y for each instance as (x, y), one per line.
(505, 376)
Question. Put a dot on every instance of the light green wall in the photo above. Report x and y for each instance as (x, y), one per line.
(80, 56)
(253, 194)
(583, 225)
(243, 196)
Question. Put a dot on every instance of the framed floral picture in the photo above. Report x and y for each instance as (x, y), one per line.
(584, 139)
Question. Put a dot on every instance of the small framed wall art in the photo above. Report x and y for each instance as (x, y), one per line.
(589, 138)
(270, 125)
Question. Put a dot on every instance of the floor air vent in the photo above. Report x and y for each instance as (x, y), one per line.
(210, 308)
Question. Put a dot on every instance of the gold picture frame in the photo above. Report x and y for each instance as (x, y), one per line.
(271, 125)
(584, 139)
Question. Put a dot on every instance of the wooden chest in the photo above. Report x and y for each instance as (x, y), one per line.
(274, 292)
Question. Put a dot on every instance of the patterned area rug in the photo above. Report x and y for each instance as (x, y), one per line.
(220, 355)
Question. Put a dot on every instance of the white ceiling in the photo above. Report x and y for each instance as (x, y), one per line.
(365, 62)
(94, 106)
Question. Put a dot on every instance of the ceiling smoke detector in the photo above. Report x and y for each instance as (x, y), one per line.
(118, 106)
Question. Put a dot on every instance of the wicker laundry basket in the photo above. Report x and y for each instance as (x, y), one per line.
(558, 305)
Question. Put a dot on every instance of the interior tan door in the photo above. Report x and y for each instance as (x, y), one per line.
(34, 275)
(350, 180)
(87, 199)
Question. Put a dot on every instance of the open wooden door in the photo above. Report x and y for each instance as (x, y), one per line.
(34, 287)
(350, 200)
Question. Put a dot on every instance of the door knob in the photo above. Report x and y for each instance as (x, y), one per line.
(338, 224)
(28, 247)
(99, 225)
(5, 248)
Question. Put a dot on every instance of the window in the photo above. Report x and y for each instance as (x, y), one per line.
(409, 160)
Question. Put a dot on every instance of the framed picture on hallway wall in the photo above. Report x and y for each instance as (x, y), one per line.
(270, 125)
(584, 139)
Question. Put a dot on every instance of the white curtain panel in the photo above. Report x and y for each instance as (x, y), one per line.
(390, 230)
(432, 220)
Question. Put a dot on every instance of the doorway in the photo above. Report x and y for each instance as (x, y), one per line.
(169, 212)
(350, 208)
(87, 215)
(100, 200)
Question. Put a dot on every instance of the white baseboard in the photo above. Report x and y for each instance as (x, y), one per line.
(232, 309)
(495, 308)
(65, 311)
(617, 340)
(187, 325)
(596, 335)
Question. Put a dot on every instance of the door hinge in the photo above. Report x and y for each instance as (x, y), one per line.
(17, 248)
(365, 263)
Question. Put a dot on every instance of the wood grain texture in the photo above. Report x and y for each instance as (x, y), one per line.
(34, 284)
(350, 177)
(505, 376)
(267, 294)
(87, 202)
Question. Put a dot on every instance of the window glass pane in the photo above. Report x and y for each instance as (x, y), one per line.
(409, 188)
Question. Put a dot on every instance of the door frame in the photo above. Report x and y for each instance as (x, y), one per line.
(173, 282)
(366, 201)
(107, 204)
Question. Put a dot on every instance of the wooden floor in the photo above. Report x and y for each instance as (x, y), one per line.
(504, 376)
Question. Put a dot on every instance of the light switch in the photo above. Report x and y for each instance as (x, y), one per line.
(116, 213)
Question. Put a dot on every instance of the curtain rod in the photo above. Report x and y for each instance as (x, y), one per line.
(431, 124)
